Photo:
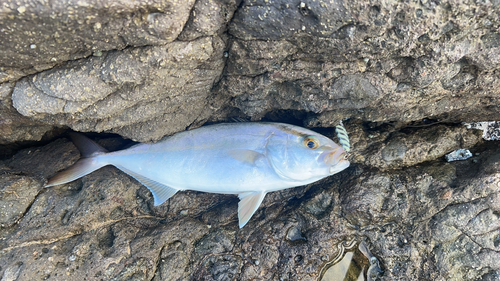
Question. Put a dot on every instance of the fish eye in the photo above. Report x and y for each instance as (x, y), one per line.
(311, 142)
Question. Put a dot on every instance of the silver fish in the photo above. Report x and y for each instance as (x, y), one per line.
(247, 159)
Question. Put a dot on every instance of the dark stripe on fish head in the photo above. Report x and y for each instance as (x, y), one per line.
(291, 130)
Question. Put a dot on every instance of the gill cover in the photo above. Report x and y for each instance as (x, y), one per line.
(295, 157)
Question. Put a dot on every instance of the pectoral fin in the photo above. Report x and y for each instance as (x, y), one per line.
(245, 155)
(249, 203)
(161, 192)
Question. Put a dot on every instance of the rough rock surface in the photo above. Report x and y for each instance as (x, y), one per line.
(407, 74)
(397, 62)
(126, 92)
(15, 127)
(60, 31)
(435, 220)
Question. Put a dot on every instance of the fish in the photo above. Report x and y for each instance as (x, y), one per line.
(247, 159)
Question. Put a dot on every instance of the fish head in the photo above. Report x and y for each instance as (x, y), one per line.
(300, 154)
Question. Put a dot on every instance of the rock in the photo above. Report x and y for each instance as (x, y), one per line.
(18, 193)
(403, 76)
(426, 144)
(12, 273)
(174, 261)
(15, 127)
(426, 78)
(329, 61)
(452, 223)
(208, 18)
(277, 19)
(88, 26)
(124, 91)
(104, 226)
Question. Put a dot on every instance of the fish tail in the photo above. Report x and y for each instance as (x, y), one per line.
(90, 162)
(86, 146)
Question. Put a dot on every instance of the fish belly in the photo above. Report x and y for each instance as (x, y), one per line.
(208, 173)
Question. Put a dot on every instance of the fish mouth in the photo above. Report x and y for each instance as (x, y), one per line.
(340, 166)
(334, 156)
(336, 159)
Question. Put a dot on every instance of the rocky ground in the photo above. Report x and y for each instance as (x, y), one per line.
(405, 74)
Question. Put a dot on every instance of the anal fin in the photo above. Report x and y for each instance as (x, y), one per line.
(249, 203)
(161, 192)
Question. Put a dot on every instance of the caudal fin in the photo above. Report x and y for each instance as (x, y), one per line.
(86, 146)
(89, 150)
(81, 168)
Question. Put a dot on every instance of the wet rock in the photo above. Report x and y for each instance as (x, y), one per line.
(452, 222)
(465, 234)
(220, 267)
(426, 222)
(374, 200)
(216, 242)
(173, 262)
(40, 161)
(319, 204)
(220, 210)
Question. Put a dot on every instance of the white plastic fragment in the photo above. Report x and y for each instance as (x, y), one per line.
(460, 154)
(491, 129)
